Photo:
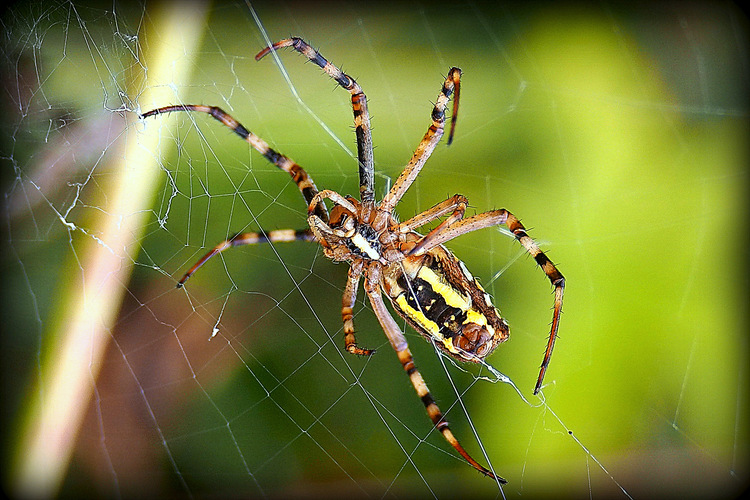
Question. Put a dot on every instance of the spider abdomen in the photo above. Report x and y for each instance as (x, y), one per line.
(439, 298)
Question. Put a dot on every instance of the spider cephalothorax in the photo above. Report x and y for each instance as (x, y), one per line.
(426, 284)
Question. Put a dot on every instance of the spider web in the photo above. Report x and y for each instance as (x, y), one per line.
(616, 134)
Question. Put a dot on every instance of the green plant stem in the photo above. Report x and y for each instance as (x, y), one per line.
(75, 344)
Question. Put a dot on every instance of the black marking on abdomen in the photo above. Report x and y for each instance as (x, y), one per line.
(421, 296)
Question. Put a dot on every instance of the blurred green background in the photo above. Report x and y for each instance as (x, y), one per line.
(616, 132)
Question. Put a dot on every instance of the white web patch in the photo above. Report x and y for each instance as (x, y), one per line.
(617, 136)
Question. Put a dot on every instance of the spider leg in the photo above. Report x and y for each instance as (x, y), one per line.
(328, 194)
(428, 143)
(502, 216)
(359, 107)
(320, 227)
(399, 344)
(431, 214)
(277, 236)
(457, 204)
(347, 312)
(301, 178)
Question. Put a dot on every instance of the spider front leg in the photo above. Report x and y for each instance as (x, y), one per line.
(399, 344)
(428, 143)
(359, 107)
(299, 175)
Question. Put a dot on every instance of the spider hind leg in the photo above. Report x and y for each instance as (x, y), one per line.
(347, 313)
(399, 344)
(241, 239)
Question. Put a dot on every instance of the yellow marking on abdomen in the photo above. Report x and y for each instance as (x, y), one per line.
(473, 316)
(418, 316)
(450, 295)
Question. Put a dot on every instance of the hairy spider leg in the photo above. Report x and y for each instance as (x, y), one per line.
(428, 143)
(455, 75)
(347, 310)
(431, 214)
(555, 277)
(399, 344)
(299, 175)
(458, 203)
(240, 239)
(359, 107)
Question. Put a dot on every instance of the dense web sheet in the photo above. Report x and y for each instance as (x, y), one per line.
(616, 135)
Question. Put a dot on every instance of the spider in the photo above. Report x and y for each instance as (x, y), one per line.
(426, 284)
